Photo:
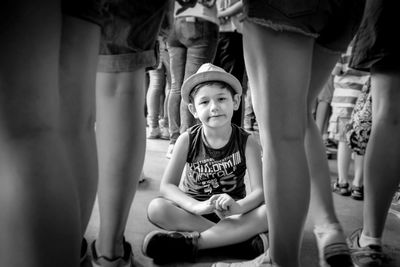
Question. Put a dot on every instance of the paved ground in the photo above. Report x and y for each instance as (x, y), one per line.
(348, 210)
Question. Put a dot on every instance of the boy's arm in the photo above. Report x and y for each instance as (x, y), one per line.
(169, 187)
(253, 161)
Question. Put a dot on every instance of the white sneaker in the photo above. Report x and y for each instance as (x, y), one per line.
(170, 150)
(154, 133)
(164, 133)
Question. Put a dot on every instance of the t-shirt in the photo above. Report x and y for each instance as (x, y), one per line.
(215, 171)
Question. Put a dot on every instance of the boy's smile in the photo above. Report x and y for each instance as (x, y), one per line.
(214, 105)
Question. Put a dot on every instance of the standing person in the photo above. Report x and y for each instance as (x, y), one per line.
(380, 55)
(348, 84)
(192, 42)
(127, 47)
(290, 50)
(229, 54)
(48, 167)
(211, 207)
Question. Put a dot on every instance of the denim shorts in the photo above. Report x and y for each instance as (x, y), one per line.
(376, 41)
(129, 30)
(332, 23)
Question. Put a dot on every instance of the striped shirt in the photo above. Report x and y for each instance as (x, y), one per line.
(348, 83)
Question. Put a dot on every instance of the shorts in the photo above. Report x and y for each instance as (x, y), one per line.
(376, 40)
(337, 124)
(129, 30)
(332, 23)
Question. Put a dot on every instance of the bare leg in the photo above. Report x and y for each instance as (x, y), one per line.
(343, 162)
(382, 169)
(358, 170)
(229, 231)
(78, 62)
(121, 144)
(39, 222)
(279, 79)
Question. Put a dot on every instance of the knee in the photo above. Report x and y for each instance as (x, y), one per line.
(156, 211)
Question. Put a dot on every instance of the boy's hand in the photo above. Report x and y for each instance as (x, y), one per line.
(224, 205)
(203, 207)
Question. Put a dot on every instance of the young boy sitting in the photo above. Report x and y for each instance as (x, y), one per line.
(203, 201)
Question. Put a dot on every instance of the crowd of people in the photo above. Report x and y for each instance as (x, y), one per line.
(76, 76)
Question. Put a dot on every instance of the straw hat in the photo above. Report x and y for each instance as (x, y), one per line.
(207, 73)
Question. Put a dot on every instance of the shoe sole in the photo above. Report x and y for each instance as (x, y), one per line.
(147, 239)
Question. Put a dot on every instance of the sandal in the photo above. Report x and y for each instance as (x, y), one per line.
(341, 188)
(357, 192)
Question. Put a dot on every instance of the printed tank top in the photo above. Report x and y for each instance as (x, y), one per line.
(215, 171)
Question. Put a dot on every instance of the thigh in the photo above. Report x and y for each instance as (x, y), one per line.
(279, 78)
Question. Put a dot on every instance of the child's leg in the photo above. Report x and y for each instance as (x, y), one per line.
(279, 80)
(358, 170)
(78, 62)
(39, 207)
(120, 130)
(382, 168)
(165, 214)
(343, 162)
(234, 229)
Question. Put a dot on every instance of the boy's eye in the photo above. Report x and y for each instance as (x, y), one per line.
(203, 102)
(222, 98)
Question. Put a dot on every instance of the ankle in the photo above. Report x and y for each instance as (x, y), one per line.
(365, 240)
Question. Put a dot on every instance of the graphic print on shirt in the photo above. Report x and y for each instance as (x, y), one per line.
(211, 175)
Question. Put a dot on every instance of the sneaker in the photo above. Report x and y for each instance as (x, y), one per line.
(123, 261)
(264, 260)
(369, 256)
(164, 247)
(332, 246)
(170, 150)
(341, 188)
(164, 132)
(154, 133)
(84, 250)
(357, 192)
(260, 244)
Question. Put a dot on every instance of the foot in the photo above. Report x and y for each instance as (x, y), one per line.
(164, 133)
(369, 256)
(122, 261)
(264, 260)
(332, 246)
(170, 150)
(341, 188)
(154, 133)
(164, 247)
(357, 192)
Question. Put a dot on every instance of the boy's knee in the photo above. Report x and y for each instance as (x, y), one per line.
(155, 210)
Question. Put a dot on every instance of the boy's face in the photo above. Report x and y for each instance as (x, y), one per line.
(213, 105)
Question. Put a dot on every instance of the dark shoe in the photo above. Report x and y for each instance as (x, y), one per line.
(164, 247)
(84, 248)
(357, 192)
(369, 256)
(123, 261)
(260, 244)
(341, 188)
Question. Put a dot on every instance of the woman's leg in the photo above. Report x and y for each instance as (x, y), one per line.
(279, 79)
(153, 100)
(39, 207)
(78, 62)
(382, 169)
(120, 131)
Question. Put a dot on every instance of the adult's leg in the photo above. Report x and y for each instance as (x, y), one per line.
(120, 131)
(40, 221)
(78, 63)
(279, 79)
(153, 97)
(321, 196)
(382, 169)
(177, 57)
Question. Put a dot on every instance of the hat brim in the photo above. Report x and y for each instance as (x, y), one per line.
(209, 76)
